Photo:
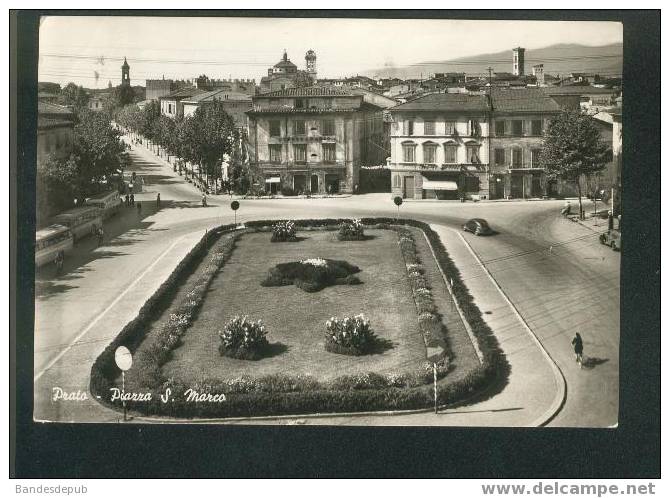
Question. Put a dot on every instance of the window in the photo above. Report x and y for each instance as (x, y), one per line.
(328, 127)
(300, 153)
(475, 128)
(535, 158)
(409, 127)
(429, 153)
(429, 127)
(473, 154)
(449, 128)
(517, 158)
(275, 153)
(299, 127)
(299, 103)
(408, 153)
(536, 127)
(450, 153)
(328, 151)
(500, 128)
(499, 156)
(396, 181)
(517, 128)
(275, 128)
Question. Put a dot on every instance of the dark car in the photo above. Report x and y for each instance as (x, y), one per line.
(611, 238)
(478, 226)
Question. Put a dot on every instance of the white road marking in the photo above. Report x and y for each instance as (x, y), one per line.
(118, 298)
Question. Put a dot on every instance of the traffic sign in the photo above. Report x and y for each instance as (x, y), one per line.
(123, 358)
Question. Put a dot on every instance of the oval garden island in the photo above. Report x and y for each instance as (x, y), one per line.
(304, 317)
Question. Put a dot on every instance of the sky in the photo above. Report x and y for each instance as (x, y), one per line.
(89, 51)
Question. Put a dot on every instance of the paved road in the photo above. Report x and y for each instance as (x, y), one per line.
(553, 271)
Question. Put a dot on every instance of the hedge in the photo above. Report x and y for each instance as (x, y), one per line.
(255, 397)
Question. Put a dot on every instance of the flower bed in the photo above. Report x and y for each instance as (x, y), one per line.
(312, 275)
(352, 336)
(288, 394)
(283, 231)
(430, 323)
(351, 230)
(243, 339)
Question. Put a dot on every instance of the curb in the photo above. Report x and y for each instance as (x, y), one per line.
(559, 379)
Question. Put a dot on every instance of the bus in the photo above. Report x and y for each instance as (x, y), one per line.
(81, 221)
(50, 241)
(109, 203)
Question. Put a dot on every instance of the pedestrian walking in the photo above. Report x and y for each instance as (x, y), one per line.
(60, 259)
(127, 200)
(101, 236)
(132, 199)
(139, 208)
(578, 345)
(158, 200)
(204, 200)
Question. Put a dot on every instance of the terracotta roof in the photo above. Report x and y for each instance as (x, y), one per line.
(47, 108)
(576, 90)
(293, 110)
(183, 93)
(310, 91)
(457, 102)
(522, 100)
(220, 94)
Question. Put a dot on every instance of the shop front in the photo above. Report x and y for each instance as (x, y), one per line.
(443, 186)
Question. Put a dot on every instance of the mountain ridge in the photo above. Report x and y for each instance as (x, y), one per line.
(558, 59)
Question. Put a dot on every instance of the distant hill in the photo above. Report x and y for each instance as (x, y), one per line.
(559, 59)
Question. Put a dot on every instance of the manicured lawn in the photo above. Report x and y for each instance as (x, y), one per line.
(296, 319)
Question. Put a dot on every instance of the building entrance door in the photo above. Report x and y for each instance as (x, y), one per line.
(408, 187)
(314, 184)
(516, 186)
(299, 184)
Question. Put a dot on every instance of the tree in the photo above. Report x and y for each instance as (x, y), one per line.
(303, 79)
(74, 95)
(55, 182)
(97, 149)
(210, 134)
(572, 148)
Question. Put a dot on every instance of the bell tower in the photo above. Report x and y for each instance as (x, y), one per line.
(310, 63)
(125, 73)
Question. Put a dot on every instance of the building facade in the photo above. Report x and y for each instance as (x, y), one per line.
(155, 89)
(519, 117)
(172, 103)
(281, 76)
(518, 61)
(312, 139)
(246, 86)
(439, 147)
(55, 130)
(235, 104)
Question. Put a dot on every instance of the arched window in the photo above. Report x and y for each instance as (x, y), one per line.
(408, 152)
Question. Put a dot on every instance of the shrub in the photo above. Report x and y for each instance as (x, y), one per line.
(312, 275)
(352, 336)
(243, 339)
(283, 231)
(351, 230)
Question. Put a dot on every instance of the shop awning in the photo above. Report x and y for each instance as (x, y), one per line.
(273, 179)
(439, 184)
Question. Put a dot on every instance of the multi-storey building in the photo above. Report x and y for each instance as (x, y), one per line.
(55, 129)
(439, 146)
(519, 117)
(235, 104)
(313, 139)
(155, 89)
(172, 103)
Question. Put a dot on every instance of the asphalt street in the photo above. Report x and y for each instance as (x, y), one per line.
(551, 271)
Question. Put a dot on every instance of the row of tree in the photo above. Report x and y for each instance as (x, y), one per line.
(207, 139)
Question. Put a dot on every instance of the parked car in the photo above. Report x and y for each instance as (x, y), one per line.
(611, 238)
(478, 226)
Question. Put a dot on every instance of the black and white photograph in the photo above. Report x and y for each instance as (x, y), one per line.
(331, 221)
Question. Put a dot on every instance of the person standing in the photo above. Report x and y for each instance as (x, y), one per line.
(204, 200)
(158, 200)
(101, 236)
(578, 345)
(132, 199)
(60, 258)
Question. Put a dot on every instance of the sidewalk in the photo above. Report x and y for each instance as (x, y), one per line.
(67, 365)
